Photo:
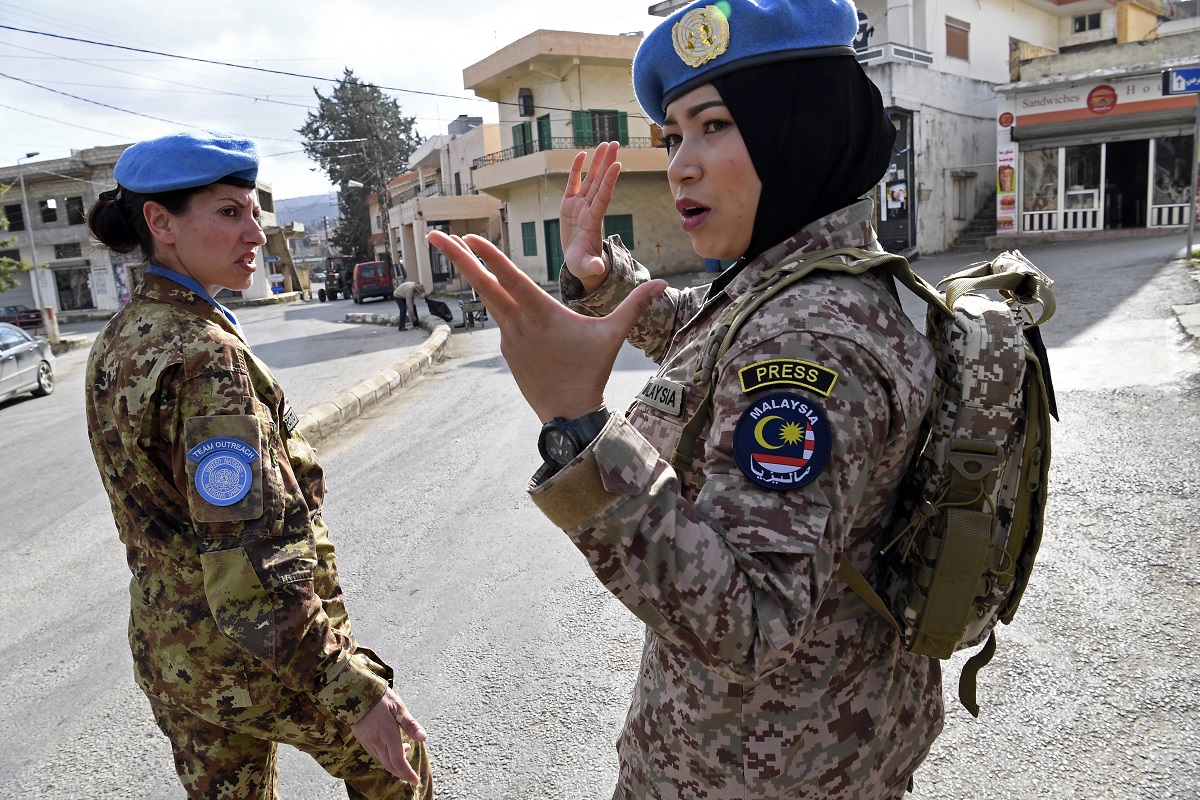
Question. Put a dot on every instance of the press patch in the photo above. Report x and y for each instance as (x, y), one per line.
(663, 394)
(782, 441)
(223, 473)
(787, 372)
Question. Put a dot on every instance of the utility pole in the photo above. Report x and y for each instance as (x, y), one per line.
(33, 275)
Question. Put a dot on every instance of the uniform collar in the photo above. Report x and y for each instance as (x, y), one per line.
(847, 227)
(168, 286)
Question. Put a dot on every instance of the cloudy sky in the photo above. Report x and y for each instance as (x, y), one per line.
(59, 94)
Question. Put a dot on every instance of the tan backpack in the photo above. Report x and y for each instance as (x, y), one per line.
(964, 537)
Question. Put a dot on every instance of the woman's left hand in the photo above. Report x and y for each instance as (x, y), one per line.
(561, 360)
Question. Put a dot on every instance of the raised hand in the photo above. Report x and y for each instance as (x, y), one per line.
(581, 215)
(560, 360)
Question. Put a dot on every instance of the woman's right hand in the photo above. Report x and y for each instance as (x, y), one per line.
(584, 205)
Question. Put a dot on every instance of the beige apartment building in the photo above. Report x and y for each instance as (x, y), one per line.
(558, 93)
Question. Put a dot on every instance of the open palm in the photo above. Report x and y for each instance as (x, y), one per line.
(581, 215)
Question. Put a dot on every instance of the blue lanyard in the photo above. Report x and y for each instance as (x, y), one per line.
(191, 283)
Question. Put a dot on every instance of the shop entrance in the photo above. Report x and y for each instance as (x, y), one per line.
(1126, 183)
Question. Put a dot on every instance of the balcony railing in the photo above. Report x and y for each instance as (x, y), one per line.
(434, 190)
(554, 143)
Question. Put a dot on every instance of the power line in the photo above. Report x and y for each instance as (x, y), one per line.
(63, 122)
(225, 63)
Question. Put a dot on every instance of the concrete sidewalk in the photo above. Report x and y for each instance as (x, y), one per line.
(320, 420)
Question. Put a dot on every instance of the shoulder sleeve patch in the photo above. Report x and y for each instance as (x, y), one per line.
(787, 372)
(782, 441)
(224, 468)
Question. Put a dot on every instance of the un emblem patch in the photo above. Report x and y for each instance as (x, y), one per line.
(223, 474)
(782, 441)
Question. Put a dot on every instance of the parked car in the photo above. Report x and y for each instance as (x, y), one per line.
(21, 316)
(26, 363)
(371, 279)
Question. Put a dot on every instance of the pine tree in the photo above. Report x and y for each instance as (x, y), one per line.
(358, 134)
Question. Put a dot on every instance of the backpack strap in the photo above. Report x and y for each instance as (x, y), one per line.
(1011, 274)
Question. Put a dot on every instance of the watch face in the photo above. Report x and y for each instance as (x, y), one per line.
(560, 446)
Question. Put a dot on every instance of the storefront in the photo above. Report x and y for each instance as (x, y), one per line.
(1107, 155)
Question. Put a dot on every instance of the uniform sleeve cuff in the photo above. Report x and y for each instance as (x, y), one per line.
(618, 464)
(353, 687)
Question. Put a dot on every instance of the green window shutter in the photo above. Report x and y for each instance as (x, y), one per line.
(529, 238)
(554, 253)
(621, 224)
(522, 139)
(623, 128)
(581, 121)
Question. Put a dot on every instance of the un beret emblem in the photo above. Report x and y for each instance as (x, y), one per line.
(701, 35)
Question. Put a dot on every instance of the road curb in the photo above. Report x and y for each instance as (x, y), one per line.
(322, 419)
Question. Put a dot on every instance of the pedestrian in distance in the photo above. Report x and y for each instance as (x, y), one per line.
(406, 295)
(240, 633)
(719, 517)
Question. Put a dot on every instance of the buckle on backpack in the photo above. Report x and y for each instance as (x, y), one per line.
(973, 459)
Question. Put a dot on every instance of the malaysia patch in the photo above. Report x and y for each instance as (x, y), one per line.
(664, 394)
(782, 441)
(223, 473)
(787, 372)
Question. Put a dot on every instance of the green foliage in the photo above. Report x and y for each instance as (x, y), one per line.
(8, 267)
(358, 111)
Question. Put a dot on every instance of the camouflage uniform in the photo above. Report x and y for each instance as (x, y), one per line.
(763, 675)
(238, 627)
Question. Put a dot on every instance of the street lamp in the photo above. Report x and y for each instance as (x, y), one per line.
(37, 300)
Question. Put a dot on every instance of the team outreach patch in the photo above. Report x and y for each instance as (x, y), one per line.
(782, 441)
(223, 474)
(787, 372)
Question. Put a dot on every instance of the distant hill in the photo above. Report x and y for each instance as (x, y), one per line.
(308, 210)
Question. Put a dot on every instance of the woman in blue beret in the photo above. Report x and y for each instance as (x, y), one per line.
(719, 506)
(238, 626)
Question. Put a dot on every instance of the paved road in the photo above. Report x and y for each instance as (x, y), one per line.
(520, 664)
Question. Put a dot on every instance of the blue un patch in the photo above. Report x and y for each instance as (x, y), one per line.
(223, 474)
(782, 441)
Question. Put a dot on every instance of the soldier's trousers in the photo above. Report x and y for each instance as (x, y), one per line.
(237, 758)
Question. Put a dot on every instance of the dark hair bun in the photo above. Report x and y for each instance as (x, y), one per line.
(109, 222)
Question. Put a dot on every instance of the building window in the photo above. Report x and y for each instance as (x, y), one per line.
(522, 139)
(68, 250)
(529, 238)
(15, 217)
(621, 224)
(1086, 22)
(49, 209)
(595, 126)
(11, 255)
(957, 33)
(75, 213)
(266, 202)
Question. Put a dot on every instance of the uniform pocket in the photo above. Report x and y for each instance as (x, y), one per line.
(183, 662)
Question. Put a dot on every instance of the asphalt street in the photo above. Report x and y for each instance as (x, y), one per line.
(520, 664)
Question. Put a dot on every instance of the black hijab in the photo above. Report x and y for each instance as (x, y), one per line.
(817, 134)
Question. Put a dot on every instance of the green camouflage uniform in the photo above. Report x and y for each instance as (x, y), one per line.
(763, 676)
(238, 627)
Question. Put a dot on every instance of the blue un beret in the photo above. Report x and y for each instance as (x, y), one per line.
(710, 38)
(185, 160)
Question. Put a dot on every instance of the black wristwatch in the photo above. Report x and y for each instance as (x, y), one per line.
(562, 439)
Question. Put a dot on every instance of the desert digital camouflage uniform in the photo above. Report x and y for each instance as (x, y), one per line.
(763, 676)
(238, 627)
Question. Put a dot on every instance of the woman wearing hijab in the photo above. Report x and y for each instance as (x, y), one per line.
(238, 626)
(763, 675)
